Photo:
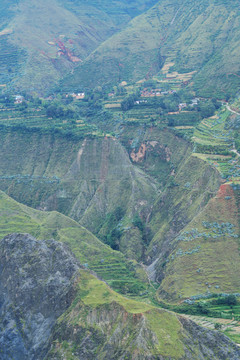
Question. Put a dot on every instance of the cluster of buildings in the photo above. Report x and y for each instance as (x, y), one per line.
(140, 102)
(194, 102)
(156, 92)
(77, 96)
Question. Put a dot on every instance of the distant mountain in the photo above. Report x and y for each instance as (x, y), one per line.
(95, 44)
(200, 36)
(40, 41)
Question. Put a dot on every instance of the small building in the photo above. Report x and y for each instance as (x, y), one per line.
(195, 101)
(182, 106)
(18, 99)
(77, 96)
(80, 96)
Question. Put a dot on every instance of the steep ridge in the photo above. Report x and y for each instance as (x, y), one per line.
(206, 255)
(188, 35)
(123, 275)
(36, 325)
(87, 180)
(195, 183)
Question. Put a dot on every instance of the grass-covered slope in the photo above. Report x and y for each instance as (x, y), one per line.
(41, 41)
(191, 35)
(206, 255)
(101, 323)
(107, 263)
(186, 195)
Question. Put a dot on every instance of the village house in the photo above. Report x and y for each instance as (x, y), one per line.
(18, 99)
(79, 96)
(182, 106)
(194, 102)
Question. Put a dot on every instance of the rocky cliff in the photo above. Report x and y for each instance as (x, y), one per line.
(36, 287)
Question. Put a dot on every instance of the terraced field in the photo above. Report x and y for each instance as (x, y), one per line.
(212, 131)
(229, 327)
(37, 119)
(214, 143)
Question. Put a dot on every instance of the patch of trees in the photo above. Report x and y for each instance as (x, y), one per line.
(114, 233)
(56, 111)
(208, 108)
(205, 307)
(137, 222)
(129, 101)
(186, 119)
(208, 149)
(125, 287)
(7, 100)
(229, 300)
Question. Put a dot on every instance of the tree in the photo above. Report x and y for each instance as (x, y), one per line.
(217, 326)
(171, 104)
(69, 113)
(128, 102)
(23, 106)
(51, 110)
(137, 221)
(231, 300)
(202, 307)
(207, 109)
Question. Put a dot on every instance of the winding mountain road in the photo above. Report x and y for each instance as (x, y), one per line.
(232, 111)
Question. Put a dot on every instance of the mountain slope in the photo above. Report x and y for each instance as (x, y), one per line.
(139, 206)
(90, 180)
(39, 41)
(204, 257)
(201, 37)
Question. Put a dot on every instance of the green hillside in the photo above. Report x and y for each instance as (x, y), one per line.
(127, 329)
(110, 265)
(40, 42)
(91, 180)
(185, 36)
